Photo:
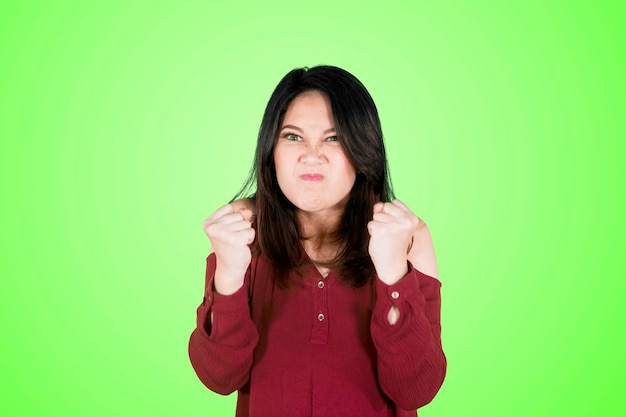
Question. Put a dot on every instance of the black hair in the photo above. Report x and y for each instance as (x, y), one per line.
(358, 128)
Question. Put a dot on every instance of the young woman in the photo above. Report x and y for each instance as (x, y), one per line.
(321, 294)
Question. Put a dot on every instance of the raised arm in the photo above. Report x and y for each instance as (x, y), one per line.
(222, 344)
(405, 324)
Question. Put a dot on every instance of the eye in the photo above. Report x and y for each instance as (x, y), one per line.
(292, 136)
(332, 139)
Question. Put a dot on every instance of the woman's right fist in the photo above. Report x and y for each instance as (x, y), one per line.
(230, 233)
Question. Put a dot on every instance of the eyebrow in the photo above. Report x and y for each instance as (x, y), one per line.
(332, 129)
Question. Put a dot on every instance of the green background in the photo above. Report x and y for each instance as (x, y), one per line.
(125, 124)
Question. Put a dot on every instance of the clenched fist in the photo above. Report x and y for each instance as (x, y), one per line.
(230, 233)
(391, 235)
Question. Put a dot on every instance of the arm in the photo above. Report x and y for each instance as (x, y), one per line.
(411, 362)
(223, 342)
(405, 323)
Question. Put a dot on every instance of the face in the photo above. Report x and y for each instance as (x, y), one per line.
(311, 167)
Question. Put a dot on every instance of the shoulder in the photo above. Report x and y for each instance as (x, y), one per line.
(422, 252)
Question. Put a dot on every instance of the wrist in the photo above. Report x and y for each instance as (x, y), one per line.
(227, 283)
(392, 275)
(226, 288)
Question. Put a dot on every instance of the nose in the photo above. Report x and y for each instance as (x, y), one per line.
(313, 153)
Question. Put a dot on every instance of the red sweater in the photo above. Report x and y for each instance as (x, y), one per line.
(320, 348)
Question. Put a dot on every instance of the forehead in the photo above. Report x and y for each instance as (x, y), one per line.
(310, 104)
(308, 101)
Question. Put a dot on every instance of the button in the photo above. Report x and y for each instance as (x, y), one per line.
(395, 295)
(320, 317)
(320, 284)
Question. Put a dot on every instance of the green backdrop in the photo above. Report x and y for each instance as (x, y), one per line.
(125, 124)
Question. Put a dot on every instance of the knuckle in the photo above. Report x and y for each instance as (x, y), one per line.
(210, 229)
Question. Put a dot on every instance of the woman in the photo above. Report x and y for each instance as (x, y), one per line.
(321, 295)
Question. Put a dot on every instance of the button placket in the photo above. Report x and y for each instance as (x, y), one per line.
(319, 331)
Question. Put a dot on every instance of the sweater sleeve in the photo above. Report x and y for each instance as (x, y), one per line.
(411, 362)
(221, 351)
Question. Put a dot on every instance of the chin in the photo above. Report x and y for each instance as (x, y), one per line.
(319, 205)
(310, 207)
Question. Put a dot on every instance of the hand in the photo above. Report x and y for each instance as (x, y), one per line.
(230, 233)
(391, 232)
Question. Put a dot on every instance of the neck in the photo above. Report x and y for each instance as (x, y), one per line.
(319, 224)
(319, 231)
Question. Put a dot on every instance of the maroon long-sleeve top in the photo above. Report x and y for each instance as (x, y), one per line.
(320, 348)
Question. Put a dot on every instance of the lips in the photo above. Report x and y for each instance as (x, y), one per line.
(312, 177)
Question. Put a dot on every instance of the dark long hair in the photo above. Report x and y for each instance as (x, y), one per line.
(358, 128)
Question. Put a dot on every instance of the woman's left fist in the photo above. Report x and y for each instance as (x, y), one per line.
(391, 234)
